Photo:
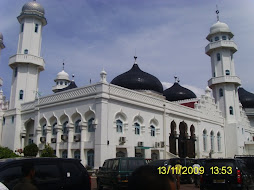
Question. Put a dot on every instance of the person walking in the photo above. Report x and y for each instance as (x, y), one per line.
(196, 168)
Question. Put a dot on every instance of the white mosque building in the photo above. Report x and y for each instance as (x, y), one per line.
(131, 115)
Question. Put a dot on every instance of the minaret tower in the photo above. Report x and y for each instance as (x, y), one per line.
(27, 63)
(224, 81)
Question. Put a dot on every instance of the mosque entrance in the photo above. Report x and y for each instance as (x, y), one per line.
(186, 145)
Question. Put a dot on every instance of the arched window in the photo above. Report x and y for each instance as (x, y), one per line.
(218, 56)
(65, 130)
(221, 92)
(36, 28)
(57, 83)
(21, 94)
(90, 125)
(90, 158)
(120, 154)
(212, 140)
(204, 140)
(77, 154)
(77, 126)
(216, 38)
(61, 82)
(54, 129)
(211, 40)
(227, 72)
(224, 37)
(22, 27)
(231, 111)
(16, 72)
(65, 83)
(44, 130)
(26, 51)
(137, 128)
(64, 154)
(119, 126)
(152, 131)
(219, 141)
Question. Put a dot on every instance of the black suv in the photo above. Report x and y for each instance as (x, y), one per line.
(225, 174)
(115, 172)
(50, 173)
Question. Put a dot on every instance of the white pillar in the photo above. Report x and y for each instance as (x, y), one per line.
(177, 152)
(82, 143)
(48, 134)
(58, 139)
(70, 139)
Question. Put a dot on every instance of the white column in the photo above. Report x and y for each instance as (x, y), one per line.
(70, 139)
(82, 143)
(58, 139)
(177, 145)
(48, 134)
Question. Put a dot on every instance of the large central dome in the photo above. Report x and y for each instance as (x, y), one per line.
(136, 79)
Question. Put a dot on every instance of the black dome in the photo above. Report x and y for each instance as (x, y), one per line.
(177, 92)
(246, 98)
(136, 79)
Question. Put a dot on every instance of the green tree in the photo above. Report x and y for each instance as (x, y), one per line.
(5, 152)
(48, 151)
(31, 150)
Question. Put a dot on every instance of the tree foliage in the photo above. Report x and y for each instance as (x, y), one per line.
(31, 150)
(5, 152)
(48, 151)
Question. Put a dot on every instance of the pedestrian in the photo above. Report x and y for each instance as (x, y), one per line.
(196, 168)
(147, 177)
(26, 182)
(178, 170)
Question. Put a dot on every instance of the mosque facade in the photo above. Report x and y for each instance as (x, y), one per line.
(131, 115)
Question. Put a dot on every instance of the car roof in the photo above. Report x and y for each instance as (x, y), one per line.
(20, 159)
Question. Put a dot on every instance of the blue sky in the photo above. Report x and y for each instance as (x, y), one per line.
(169, 37)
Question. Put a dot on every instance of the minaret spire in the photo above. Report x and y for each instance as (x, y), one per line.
(63, 65)
(217, 12)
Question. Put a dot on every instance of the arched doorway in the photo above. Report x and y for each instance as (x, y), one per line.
(182, 141)
(191, 143)
(172, 138)
(90, 158)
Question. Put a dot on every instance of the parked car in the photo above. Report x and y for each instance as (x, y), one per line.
(50, 173)
(226, 174)
(115, 172)
(158, 163)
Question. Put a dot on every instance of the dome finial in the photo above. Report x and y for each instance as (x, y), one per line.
(135, 57)
(217, 12)
(176, 79)
(63, 64)
(73, 77)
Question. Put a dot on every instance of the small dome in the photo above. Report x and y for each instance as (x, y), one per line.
(136, 79)
(1, 36)
(246, 98)
(219, 27)
(177, 92)
(62, 76)
(33, 6)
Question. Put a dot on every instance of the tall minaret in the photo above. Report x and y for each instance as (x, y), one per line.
(224, 81)
(27, 63)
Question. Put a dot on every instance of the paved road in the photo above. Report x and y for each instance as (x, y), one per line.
(183, 186)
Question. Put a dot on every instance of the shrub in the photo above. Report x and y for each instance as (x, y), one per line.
(5, 152)
(31, 150)
(48, 151)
